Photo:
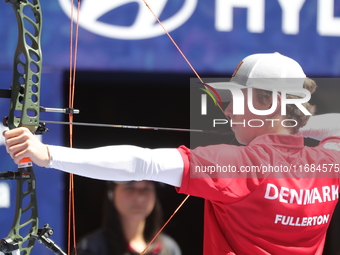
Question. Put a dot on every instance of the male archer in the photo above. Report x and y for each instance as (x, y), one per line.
(280, 196)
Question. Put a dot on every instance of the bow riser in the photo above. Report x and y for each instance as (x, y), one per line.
(25, 100)
(24, 112)
(26, 216)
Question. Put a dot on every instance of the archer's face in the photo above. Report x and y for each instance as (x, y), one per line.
(135, 200)
(245, 132)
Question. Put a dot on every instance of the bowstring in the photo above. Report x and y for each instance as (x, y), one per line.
(201, 80)
(72, 82)
(179, 50)
(73, 61)
(165, 224)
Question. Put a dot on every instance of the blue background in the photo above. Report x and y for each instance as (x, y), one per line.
(209, 50)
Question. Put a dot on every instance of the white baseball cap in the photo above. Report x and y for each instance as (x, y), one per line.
(267, 71)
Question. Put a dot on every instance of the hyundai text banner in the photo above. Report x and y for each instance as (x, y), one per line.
(214, 34)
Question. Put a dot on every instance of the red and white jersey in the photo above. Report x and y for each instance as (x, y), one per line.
(273, 196)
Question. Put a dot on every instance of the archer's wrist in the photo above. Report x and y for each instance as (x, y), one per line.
(50, 158)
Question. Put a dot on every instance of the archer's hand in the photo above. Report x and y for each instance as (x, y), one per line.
(21, 143)
(321, 126)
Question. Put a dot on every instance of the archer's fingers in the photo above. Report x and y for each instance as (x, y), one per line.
(16, 132)
(17, 135)
(16, 140)
(18, 155)
(13, 147)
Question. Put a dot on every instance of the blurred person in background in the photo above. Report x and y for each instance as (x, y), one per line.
(132, 216)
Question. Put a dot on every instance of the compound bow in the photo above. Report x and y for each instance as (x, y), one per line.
(24, 112)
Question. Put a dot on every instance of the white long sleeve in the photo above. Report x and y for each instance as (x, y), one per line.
(321, 126)
(120, 163)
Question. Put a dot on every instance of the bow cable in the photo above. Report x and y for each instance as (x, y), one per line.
(200, 79)
(180, 51)
(73, 60)
(72, 80)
